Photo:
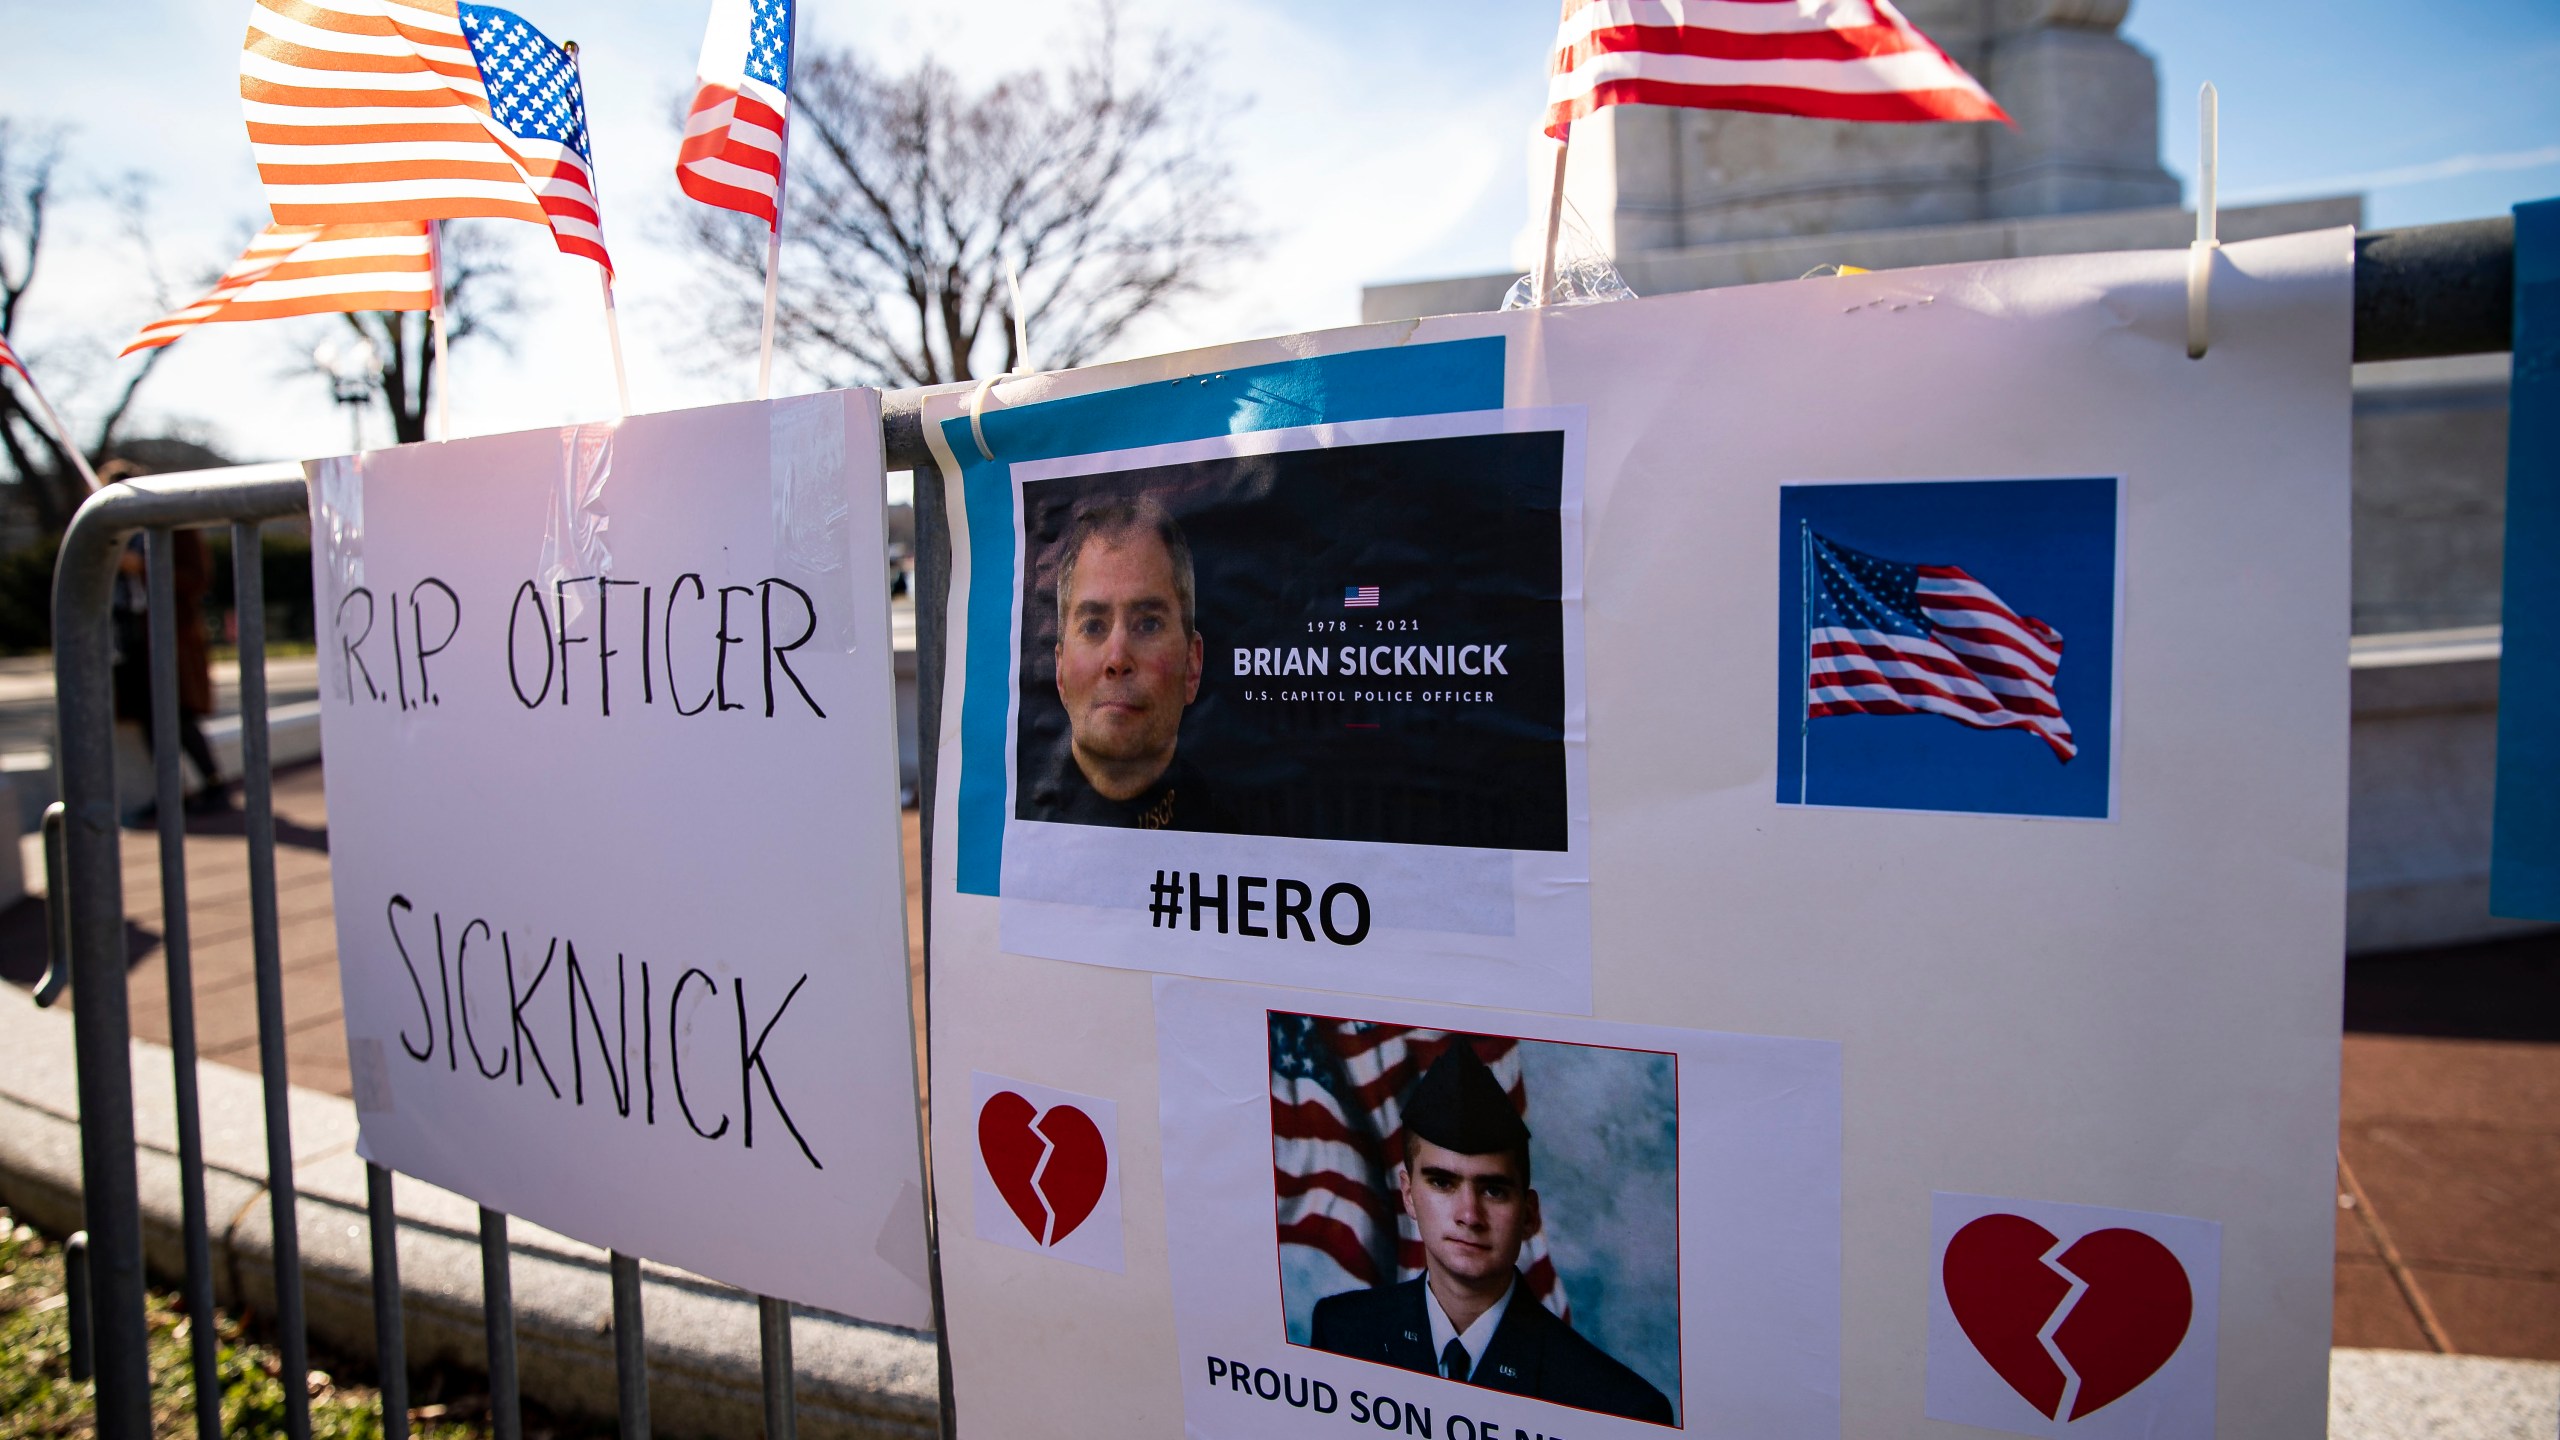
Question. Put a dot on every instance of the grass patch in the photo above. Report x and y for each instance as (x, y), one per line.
(38, 1397)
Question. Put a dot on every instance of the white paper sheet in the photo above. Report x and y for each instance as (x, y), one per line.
(2135, 1011)
(613, 836)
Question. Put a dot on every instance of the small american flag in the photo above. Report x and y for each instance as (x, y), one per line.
(733, 131)
(1359, 597)
(9, 361)
(1887, 638)
(1337, 1136)
(1827, 59)
(380, 110)
(536, 96)
(311, 270)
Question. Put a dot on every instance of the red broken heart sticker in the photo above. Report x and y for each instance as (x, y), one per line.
(1051, 1172)
(2125, 1325)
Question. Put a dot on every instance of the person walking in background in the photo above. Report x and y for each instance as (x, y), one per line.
(193, 575)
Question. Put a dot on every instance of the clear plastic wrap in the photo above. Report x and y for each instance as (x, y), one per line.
(575, 526)
(1585, 275)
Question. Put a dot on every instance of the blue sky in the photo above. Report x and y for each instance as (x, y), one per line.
(1373, 142)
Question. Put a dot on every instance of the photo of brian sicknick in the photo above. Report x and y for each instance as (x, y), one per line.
(1128, 658)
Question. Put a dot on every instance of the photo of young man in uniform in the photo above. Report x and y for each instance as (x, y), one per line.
(1129, 659)
(1465, 1181)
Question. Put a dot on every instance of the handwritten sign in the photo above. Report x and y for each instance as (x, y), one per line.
(613, 798)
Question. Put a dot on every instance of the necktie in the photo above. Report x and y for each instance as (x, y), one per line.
(1453, 1360)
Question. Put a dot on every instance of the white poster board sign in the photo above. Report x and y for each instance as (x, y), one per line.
(1964, 687)
(613, 836)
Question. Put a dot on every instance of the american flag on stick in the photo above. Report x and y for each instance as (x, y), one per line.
(1337, 1136)
(1888, 638)
(1826, 59)
(733, 132)
(9, 361)
(311, 270)
(380, 110)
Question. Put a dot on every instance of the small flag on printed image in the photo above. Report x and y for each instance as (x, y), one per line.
(9, 358)
(1337, 1133)
(1359, 597)
(311, 270)
(1890, 638)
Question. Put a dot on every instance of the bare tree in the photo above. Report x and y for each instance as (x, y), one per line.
(909, 194)
(132, 198)
(479, 294)
(38, 464)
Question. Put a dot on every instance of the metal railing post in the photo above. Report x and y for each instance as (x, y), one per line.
(93, 905)
(91, 902)
(57, 912)
(257, 793)
(177, 963)
(498, 1314)
(781, 1407)
(77, 1313)
(390, 1339)
(903, 447)
(630, 1349)
(2432, 290)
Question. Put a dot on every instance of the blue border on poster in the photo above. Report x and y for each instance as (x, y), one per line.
(1451, 377)
(2524, 868)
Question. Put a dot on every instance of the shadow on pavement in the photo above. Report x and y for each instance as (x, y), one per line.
(2496, 990)
(234, 822)
(24, 946)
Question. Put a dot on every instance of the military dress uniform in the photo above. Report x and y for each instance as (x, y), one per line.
(1532, 1353)
(1458, 1105)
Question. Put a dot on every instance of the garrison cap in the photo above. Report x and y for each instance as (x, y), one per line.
(1458, 1105)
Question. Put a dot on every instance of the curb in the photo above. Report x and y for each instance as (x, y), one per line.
(854, 1378)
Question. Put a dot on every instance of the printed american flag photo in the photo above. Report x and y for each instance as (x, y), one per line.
(1891, 638)
(1949, 645)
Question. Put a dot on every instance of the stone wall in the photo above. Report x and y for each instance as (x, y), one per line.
(2430, 493)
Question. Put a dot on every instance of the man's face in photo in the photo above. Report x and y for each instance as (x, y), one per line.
(1472, 1210)
(1126, 668)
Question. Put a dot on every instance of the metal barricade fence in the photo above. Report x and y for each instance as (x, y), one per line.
(2426, 291)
